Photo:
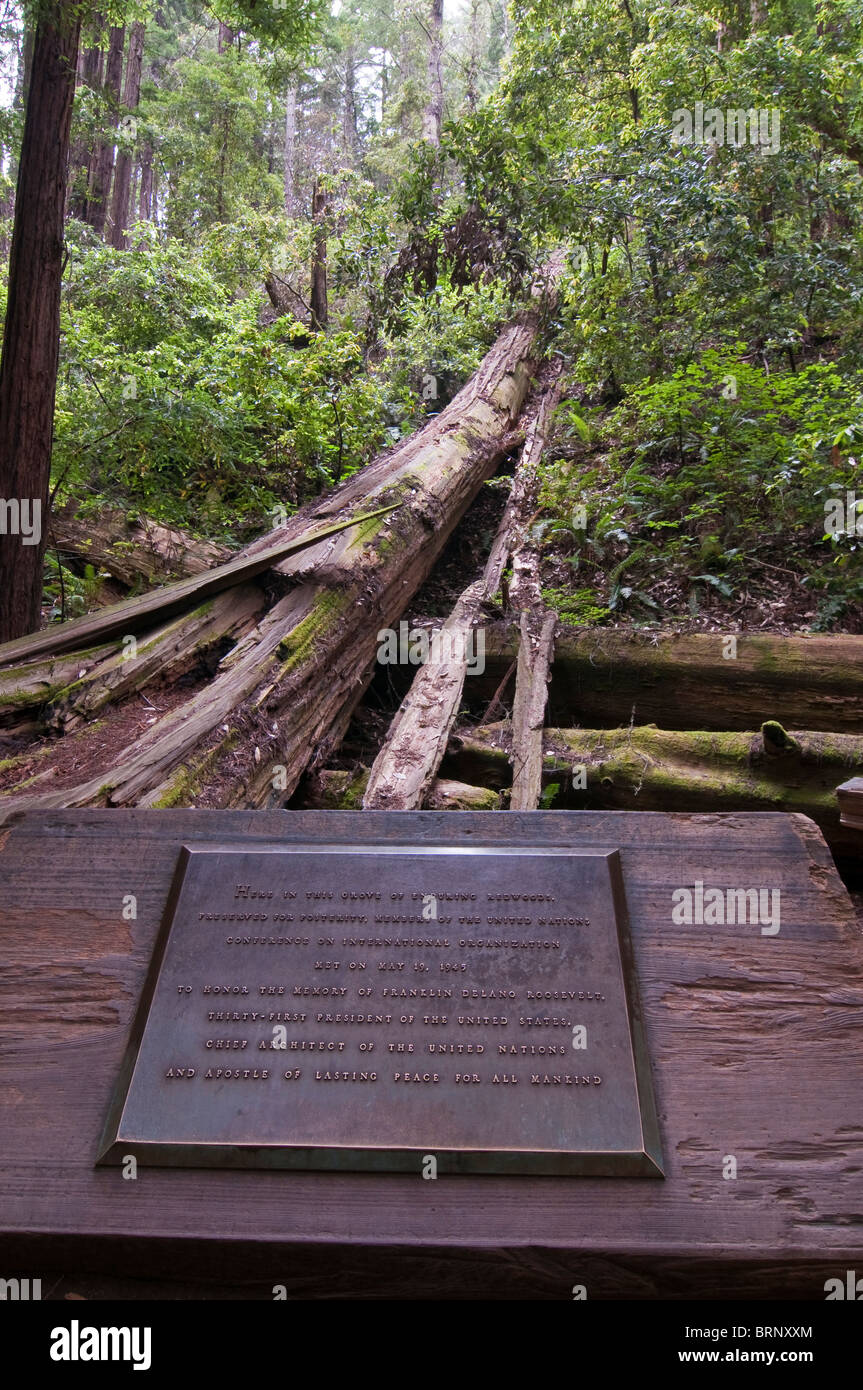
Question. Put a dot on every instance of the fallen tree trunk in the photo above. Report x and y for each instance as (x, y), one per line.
(134, 614)
(159, 659)
(406, 766)
(27, 689)
(334, 789)
(528, 713)
(650, 769)
(687, 681)
(283, 695)
(535, 649)
(133, 550)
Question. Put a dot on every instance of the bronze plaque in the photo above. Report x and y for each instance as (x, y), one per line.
(376, 1008)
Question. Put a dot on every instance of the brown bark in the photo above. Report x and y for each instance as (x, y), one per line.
(123, 173)
(28, 370)
(102, 163)
(90, 74)
(147, 189)
(699, 680)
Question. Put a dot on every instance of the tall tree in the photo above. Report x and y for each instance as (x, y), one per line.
(31, 334)
(123, 172)
(91, 71)
(102, 163)
(290, 148)
(433, 113)
(318, 302)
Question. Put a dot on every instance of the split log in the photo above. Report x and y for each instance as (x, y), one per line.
(687, 680)
(133, 550)
(535, 648)
(407, 764)
(133, 614)
(650, 769)
(26, 689)
(283, 696)
(528, 714)
(159, 659)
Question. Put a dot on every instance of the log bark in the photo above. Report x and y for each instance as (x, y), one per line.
(536, 640)
(31, 332)
(528, 715)
(407, 764)
(26, 690)
(132, 549)
(174, 650)
(337, 789)
(686, 681)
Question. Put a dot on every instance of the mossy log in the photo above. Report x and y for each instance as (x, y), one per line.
(336, 789)
(694, 680)
(649, 769)
(27, 689)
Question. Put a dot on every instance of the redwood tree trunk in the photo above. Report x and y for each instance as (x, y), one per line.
(123, 171)
(102, 165)
(91, 72)
(31, 335)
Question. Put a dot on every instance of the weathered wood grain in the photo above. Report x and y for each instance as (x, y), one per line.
(756, 1045)
(605, 677)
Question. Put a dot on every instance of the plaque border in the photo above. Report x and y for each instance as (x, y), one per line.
(646, 1162)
